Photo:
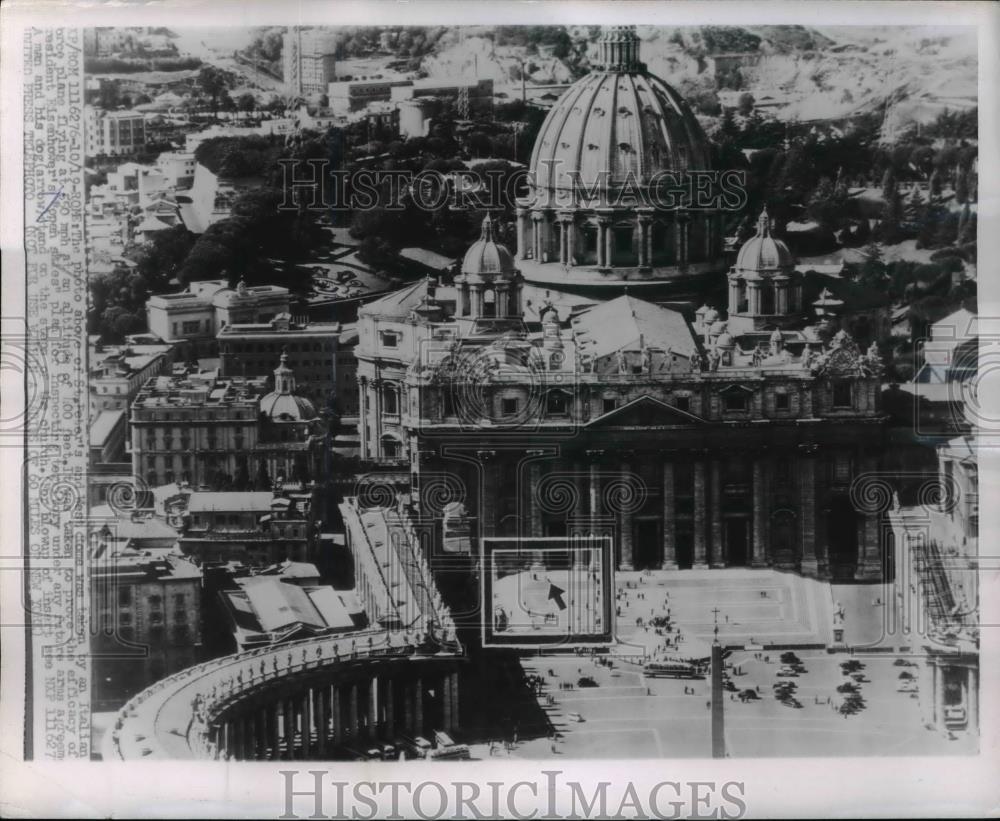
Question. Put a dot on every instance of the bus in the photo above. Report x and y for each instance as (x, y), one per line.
(672, 669)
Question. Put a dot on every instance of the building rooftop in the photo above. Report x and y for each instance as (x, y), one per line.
(102, 427)
(203, 388)
(230, 501)
(627, 323)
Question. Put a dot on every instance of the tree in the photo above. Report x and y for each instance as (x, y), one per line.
(873, 269)
(246, 103)
(746, 103)
(213, 81)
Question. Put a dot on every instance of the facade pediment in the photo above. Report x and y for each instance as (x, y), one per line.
(646, 412)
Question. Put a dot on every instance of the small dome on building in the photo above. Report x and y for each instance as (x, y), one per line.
(282, 405)
(725, 340)
(762, 252)
(486, 258)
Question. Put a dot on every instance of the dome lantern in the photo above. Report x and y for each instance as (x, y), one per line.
(619, 49)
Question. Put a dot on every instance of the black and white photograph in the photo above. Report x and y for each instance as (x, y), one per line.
(584, 389)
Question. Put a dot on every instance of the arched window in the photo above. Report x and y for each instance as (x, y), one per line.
(391, 448)
(390, 400)
(767, 298)
(489, 302)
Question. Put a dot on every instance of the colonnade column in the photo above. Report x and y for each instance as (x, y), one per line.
(699, 514)
(337, 709)
(759, 524)
(274, 729)
(669, 515)
(352, 710)
(570, 241)
(322, 696)
(407, 697)
(808, 565)
(717, 559)
(390, 710)
(869, 550)
(418, 707)
(288, 720)
(307, 721)
(446, 720)
(259, 734)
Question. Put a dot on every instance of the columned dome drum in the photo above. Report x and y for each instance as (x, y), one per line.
(593, 216)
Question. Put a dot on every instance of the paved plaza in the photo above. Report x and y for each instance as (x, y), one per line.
(627, 715)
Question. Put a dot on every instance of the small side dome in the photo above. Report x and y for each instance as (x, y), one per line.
(486, 258)
(762, 252)
(725, 340)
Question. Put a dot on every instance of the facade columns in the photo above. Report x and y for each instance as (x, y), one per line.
(669, 516)
(626, 525)
(808, 565)
(408, 724)
(595, 492)
(570, 241)
(535, 523)
(454, 696)
(699, 514)
(869, 549)
(759, 516)
(488, 507)
(609, 245)
(717, 559)
(418, 707)
(522, 218)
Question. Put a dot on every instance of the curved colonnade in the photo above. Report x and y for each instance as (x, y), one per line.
(320, 697)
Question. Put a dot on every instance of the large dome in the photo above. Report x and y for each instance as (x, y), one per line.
(602, 212)
(617, 122)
